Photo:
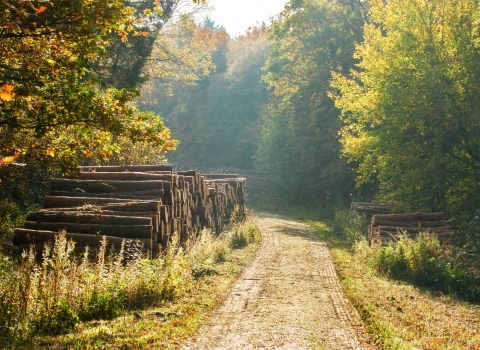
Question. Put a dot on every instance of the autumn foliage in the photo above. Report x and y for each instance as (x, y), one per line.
(51, 103)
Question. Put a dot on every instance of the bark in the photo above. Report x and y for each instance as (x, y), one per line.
(108, 186)
(88, 218)
(410, 217)
(126, 176)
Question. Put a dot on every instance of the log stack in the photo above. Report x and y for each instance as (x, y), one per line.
(370, 209)
(144, 205)
(388, 227)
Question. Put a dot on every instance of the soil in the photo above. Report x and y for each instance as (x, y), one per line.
(288, 298)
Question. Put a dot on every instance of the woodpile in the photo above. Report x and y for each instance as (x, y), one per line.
(370, 209)
(262, 190)
(387, 227)
(143, 205)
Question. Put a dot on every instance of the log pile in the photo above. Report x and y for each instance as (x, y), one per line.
(144, 205)
(370, 209)
(262, 190)
(387, 227)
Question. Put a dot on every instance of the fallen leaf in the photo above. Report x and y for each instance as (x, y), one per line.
(8, 87)
(5, 96)
(40, 10)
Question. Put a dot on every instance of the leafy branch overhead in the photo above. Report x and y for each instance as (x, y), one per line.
(64, 68)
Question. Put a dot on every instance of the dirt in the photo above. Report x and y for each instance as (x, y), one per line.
(288, 298)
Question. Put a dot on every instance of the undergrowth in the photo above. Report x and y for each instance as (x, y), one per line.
(51, 297)
(425, 262)
(422, 260)
(408, 292)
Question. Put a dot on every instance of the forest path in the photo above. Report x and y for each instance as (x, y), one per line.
(288, 298)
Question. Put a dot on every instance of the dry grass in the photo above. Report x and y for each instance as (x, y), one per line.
(397, 314)
(166, 309)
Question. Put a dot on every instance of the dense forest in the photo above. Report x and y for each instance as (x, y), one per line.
(334, 100)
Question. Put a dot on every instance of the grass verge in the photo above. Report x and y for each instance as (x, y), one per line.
(144, 304)
(397, 314)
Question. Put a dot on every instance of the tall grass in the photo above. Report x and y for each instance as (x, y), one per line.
(350, 226)
(51, 297)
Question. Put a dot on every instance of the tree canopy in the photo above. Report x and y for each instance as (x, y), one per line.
(64, 74)
(410, 108)
(217, 119)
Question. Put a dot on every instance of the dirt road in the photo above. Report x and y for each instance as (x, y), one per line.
(289, 298)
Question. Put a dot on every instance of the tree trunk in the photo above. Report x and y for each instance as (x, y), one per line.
(105, 186)
(127, 176)
(130, 168)
(88, 218)
(409, 217)
(124, 231)
(26, 236)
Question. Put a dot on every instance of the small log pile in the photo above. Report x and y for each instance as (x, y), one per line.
(387, 227)
(370, 209)
(144, 205)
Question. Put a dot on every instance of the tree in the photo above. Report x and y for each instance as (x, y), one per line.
(299, 147)
(50, 105)
(128, 53)
(411, 106)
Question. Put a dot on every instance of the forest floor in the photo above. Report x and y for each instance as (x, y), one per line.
(288, 298)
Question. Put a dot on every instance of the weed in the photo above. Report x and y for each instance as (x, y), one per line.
(351, 226)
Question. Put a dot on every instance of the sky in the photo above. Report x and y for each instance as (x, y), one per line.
(237, 15)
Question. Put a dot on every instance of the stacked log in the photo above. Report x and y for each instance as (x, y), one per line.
(370, 209)
(262, 190)
(388, 227)
(144, 205)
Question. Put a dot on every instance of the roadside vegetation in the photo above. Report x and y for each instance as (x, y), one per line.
(413, 293)
(115, 299)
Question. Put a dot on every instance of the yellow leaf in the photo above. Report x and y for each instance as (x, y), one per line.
(40, 10)
(5, 96)
(9, 159)
(50, 152)
(6, 160)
